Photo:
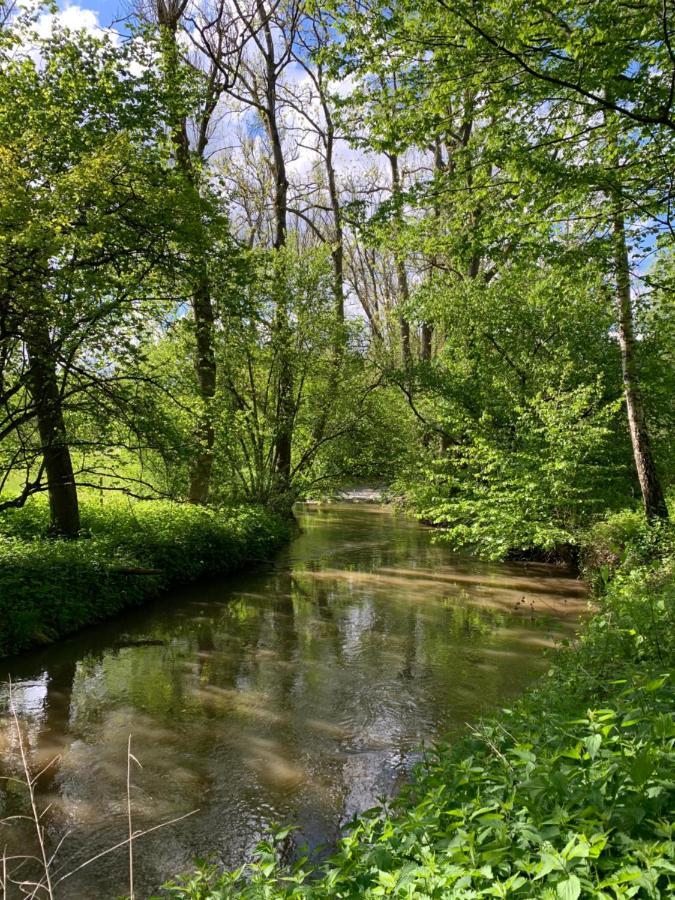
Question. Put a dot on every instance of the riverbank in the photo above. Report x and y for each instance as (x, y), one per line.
(128, 553)
(568, 794)
(293, 692)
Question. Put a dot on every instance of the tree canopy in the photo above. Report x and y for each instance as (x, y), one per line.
(257, 251)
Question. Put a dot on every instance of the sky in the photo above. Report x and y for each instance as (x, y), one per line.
(89, 14)
(105, 11)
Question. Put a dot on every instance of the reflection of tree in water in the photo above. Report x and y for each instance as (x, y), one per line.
(410, 645)
(321, 600)
(54, 736)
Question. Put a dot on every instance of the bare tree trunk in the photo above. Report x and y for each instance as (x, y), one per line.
(653, 497)
(338, 252)
(320, 37)
(427, 328)
(44, 387)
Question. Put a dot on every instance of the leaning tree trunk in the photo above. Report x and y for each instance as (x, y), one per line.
(58, 466)
(653, 497)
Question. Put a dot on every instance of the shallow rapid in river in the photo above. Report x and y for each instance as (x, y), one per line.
(301, 693)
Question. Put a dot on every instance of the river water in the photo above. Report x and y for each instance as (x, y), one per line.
(301, 693)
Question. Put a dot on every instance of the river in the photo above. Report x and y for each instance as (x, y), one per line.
(299, 693)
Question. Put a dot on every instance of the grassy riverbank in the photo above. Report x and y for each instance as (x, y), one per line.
(128, 553)
(569, 794)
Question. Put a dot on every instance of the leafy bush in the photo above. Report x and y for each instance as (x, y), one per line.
(128, 553)
(636, 621)
(534, 487)
(623, 540)
(568, 795)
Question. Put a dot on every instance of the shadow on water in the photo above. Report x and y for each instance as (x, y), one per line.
(300, 693)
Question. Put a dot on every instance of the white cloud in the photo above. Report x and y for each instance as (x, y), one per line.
(74, 18)
(41, 26)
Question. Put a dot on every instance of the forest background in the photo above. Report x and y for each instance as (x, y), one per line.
(252, 254)
(255, 251)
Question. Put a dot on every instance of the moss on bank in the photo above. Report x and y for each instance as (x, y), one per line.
(568, 795)
(128, 553)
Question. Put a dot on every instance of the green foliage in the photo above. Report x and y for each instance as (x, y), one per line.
(315, 351)
(91, 213)
(526, 394)
(527, 142)
(380, 441)
(533, 490)
(636, 622)
(623, 541)
(570, 794)
(656, 325)
(128, 553)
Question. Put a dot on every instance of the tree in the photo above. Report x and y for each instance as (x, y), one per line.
(84, 197)
(576, 100)
(169, 16)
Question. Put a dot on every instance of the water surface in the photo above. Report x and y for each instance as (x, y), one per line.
(299, 693)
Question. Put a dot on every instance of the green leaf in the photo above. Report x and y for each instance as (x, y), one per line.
(570, 889)
(593, 743)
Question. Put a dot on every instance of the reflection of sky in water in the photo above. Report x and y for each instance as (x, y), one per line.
(301, 693)
(29, 696)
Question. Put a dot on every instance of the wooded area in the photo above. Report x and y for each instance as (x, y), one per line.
(253, 252)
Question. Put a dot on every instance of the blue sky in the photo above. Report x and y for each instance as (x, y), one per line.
(106, 11)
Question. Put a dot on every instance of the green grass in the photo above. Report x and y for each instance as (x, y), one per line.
(568, 795)
(50, 588)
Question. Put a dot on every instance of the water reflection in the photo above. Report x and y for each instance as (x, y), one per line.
(301, 693)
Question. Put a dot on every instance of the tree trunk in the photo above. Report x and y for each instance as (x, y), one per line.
(58, 466)
(652, 493)
(202, 305)
(205, 367)
(338, 247)
(285, 413)
(401, 273)
(425, 349)
(405, 327)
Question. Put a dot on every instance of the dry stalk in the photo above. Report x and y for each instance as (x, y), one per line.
(44, 888)
(124, 843)
(132, 835)
(45, 883)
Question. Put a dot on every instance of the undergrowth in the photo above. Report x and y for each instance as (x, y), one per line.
(128, 553)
